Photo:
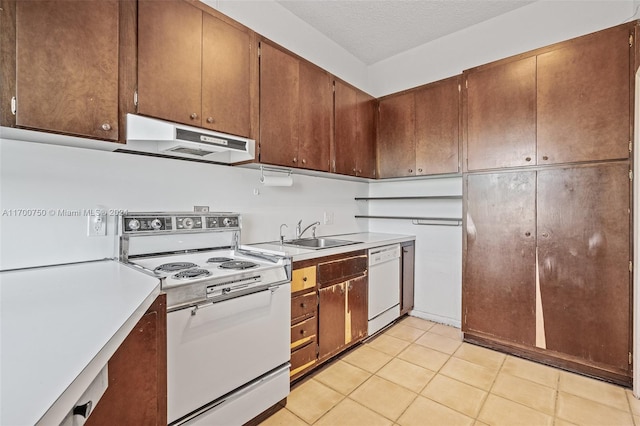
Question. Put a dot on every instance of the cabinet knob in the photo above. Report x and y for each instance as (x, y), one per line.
(410, 170)
(304, 161)
(303, 305)
(544, 157)
(209, 120)
(295, 160)
(528, 159)
(106, 127)
(527, 234)
(304, 279)
(353, 170)
(419, 170)
(303, 332)
(545, 234)
(193, 116)
(360, 172)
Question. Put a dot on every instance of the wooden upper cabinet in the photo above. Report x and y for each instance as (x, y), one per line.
(501, 115)
(193, 67)
(499, 276)
(296, 107)
(67, 67)
(226, 77)
(438, 127)
(354, 131)
(584, 98)
(170, 61)
(396, 136)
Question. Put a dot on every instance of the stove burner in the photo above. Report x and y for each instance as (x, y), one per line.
(237, 264)
(176, 266)
(219, 259)
(192, 273)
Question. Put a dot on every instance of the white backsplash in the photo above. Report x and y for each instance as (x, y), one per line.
(53, 182)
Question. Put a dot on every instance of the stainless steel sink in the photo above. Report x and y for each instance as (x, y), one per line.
(317, 243)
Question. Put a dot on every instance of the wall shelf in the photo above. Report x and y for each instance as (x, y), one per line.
(443, 221)
(422, 197)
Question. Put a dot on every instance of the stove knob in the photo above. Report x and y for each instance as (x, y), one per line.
(226, 221)
(156, 224)
(187, 223)
(134, 224)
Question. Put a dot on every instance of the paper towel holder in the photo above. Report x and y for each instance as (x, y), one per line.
(285, 172)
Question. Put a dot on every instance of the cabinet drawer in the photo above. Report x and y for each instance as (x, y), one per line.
(303, 358)
(303, 332)
(303, 279)
(303, 306)
(341, 270)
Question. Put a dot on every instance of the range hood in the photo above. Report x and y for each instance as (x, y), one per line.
(158, 137)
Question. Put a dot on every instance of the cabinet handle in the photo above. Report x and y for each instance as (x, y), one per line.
(193, 116)
(303, 305)
(419, 170)
(527, 234)
(544, 157)
(410, 170)
(304, 161)
(545, 234)
(359, 172)
(353, 170)
(304, 279)
(295, 160)
(528, 159)
(106, 127)
(209, 120)
(303, 332)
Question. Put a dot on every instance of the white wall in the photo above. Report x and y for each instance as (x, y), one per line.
(40, 176)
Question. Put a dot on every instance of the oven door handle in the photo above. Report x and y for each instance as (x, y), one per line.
(272, 289)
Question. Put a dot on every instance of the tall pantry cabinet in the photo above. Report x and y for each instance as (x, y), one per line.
(547, 176)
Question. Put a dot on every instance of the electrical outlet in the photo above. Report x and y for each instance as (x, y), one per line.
(97, 222)
(201, 209)
(328, 218)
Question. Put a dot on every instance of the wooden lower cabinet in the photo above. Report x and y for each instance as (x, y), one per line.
(137, 391)
(546, 269)
(331, 315)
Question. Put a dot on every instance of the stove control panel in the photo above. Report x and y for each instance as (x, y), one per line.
(140, 223)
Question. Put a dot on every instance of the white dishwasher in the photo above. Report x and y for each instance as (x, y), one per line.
(384, 286)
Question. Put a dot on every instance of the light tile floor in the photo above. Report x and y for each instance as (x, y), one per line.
(421, 373)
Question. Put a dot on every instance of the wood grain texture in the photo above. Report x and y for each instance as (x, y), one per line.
(170, 61)
(367, 110)
(137, 391)
(128, 65)
(73, 89)
(437, 127)
(316, 110)
(304, 306)
(341, 270)
(331, 320)
(501, 115)
(226, 74)
(279, 115)
(396, 148)
(583, 99)
(8, 63)
(346, 138)
(499, 275)
(357, 310)
(583, 240)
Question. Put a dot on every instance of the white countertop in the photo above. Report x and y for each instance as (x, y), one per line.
(365, 240)
(59, 327)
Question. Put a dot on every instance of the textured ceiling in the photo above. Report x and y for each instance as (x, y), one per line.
(373, 30)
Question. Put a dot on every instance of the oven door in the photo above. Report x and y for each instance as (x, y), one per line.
(218, 347)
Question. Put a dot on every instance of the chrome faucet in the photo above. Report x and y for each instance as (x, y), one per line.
(299, 232)
(282, 236)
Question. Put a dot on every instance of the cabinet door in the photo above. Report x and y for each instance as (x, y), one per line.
(315, 105)
(346, 111)
(331, 320)
(499, 291)
(226, 77)
(583, 239)
(356, 316)
(583, 99)
(365, 154)
(170, 61)
(137, 391)
(67, 67)
(501, 115)
(437, 127)
(396, 138)
(279, 115)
